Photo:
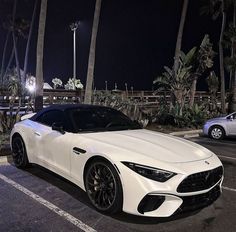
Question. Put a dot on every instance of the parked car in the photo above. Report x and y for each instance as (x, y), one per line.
(218, 128)
(120, 165)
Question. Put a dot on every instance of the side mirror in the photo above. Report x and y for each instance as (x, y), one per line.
(231, 117)
(57, 126)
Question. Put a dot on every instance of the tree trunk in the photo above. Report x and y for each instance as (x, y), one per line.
(91, 61)
(232, 99)
(233, 102)
(221, 57)
(39, 62)
(14, 41)
(28, 42)
(193, 91)
(16, 57)
(4, 57)
(179, 37)
(9, 64)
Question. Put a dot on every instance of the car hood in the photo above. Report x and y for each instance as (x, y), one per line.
(216, 119)
(141, 144)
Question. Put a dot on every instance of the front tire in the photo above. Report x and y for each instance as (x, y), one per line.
(103, 186)
(217, 132)
(19, 154)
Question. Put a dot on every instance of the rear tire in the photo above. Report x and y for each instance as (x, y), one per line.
(103, 186)
(217, 132)
(19, 153)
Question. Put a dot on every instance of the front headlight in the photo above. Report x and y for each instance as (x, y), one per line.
(150, 172)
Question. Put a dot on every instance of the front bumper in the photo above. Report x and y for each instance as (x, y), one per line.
(206, 129)
(145, 197)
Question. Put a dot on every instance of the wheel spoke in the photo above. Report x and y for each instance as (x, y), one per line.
(99, 197)
(216, 133)
(93, 184)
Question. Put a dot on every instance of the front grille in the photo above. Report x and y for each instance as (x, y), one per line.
(200, 181)
(195, 202)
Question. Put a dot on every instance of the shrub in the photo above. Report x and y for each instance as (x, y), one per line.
(129, 106)
(191, 117)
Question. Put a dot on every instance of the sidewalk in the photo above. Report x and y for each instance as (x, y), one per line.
(188, 133)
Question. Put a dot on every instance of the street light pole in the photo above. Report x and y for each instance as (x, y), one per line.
(74, 26)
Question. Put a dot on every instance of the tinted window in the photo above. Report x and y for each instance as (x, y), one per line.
(101, 119)
(48, 118)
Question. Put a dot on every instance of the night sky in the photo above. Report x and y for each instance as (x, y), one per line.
(136, 38)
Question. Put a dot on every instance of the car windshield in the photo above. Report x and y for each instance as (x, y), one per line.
(101, 119)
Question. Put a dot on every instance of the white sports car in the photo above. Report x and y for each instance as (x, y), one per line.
(120, 165)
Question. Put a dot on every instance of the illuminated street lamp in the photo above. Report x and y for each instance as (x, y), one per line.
(74, 26)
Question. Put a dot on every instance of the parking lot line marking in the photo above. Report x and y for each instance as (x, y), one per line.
(227, 157)
(49, 205)
(229, 189)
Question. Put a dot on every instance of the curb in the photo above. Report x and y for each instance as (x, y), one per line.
(5, 155)
(187, 134)
(5, 151)
(4, 159)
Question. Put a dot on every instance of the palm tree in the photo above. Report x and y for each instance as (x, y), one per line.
(180, 85)
(221, 54)
(28, 42)
(230, 62)
(203, 61)
(91, 61)
(213, 86)
(4, 57)
(14, 40)
(179, 37)
(217, 8)
(39, 62)
(8, 65)
(16, 27)
(232, 101)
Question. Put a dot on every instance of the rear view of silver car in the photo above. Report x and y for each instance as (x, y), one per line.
(218, 128)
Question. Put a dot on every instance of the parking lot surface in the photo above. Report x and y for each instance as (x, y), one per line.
(38, 200)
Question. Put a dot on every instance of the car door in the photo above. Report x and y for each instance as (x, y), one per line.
(231, 125)
(53, 147)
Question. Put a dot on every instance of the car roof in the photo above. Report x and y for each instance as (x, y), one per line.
(64, 107)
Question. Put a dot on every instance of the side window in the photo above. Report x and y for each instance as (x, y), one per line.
(48, 118)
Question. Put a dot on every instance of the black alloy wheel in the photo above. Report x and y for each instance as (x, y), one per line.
(19, 154)
(103, 186)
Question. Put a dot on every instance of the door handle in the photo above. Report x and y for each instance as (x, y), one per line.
(37, 133)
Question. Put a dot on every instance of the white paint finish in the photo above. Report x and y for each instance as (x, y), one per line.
(49, 147)
(54, 151)
(148, 144)
(49, 205)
